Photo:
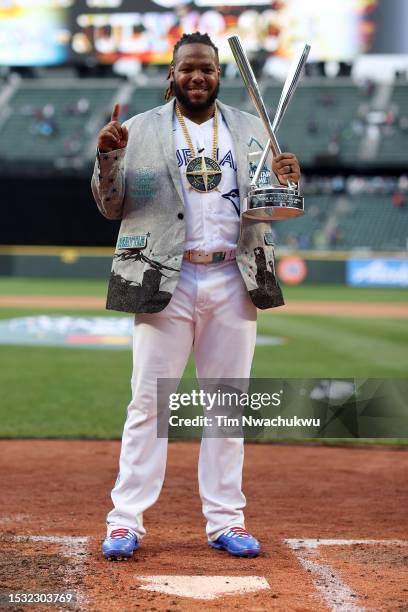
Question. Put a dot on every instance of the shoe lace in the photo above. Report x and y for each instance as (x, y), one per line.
(121, 533)
(237, 532)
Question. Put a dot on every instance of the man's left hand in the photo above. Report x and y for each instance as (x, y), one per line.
(286, 167)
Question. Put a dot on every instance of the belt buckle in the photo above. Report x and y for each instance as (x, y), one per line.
(218, 256)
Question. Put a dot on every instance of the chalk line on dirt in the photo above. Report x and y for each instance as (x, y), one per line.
(337, 595)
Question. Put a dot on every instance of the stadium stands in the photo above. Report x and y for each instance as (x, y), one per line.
(145, 98)
(323, 120)
(393, 146)
(326, 122)
(341, 222)
(46, 121)
(49, 126)
(235, 94)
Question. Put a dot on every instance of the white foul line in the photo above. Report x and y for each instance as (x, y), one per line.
(337, 595)
(316, 542)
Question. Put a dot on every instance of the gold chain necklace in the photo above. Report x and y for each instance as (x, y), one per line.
(203, 173)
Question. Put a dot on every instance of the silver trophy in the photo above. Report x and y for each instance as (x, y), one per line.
(274, 201)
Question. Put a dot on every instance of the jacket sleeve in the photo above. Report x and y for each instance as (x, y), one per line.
(108, 183)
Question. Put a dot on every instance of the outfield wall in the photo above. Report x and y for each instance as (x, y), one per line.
(293, 267)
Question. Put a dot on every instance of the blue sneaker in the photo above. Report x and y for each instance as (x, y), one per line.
(120, 545)
(238, 542)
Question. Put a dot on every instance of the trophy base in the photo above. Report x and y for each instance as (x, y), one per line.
(274, 203)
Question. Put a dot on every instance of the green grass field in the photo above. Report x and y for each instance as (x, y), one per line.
(59, 392)
(338, 293)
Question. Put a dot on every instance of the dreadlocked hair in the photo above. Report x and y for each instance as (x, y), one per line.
(195, 37)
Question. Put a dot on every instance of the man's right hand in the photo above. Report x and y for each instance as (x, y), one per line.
(113, 135)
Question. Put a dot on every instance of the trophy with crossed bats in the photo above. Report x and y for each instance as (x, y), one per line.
(267, 203)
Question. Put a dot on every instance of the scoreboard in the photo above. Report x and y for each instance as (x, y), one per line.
(50, 32)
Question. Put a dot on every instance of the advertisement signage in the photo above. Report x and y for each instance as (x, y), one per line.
(47, 32)
(377, 272)
(148, 29)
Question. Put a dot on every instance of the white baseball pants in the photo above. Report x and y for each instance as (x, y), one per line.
(210, 313)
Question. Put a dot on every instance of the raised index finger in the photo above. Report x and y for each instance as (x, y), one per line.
(115, 113)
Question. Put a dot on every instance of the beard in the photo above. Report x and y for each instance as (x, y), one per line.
(195, 106)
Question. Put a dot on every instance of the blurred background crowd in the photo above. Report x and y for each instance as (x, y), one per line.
(63, 63)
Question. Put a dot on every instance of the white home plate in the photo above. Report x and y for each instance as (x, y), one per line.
(203, 587)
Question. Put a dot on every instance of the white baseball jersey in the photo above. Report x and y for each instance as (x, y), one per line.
(212, 218)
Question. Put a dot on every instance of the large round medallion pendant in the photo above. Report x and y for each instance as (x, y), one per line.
(203, 173)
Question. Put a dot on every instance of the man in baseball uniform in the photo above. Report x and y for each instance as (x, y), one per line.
(192, 273)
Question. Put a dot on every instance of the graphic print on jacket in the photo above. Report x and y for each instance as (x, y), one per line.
(267, 285)
(131, 295)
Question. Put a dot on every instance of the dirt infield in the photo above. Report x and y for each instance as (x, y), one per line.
(311, 507)
(324, 308)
